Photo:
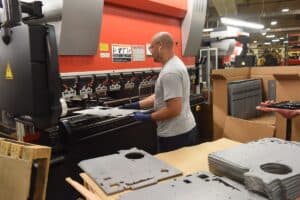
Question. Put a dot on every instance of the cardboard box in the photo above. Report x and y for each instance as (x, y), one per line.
(220, 95)
(221, 78)
(246, 130)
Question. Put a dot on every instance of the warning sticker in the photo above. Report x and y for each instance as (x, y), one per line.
(8, 73)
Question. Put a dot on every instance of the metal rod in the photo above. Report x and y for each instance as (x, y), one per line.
(288, 129)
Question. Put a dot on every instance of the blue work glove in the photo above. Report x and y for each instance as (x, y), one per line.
(134, 105)
(139, 116)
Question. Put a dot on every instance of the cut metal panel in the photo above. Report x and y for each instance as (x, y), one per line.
(272, 90)
(243, 97)
(200, 185)
(192, 27)
(130, 169)
(109, 111)
(268, 166)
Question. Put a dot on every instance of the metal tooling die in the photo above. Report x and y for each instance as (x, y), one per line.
(269, 166)
(130, 169)
(201, 185)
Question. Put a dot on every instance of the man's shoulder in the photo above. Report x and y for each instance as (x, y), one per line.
(175, 61)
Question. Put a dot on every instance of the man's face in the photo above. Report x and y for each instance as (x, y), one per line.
(155, 48)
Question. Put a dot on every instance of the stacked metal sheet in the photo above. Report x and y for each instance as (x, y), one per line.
(130, 169)
(244, 92)
(269, 166)
(201, 185)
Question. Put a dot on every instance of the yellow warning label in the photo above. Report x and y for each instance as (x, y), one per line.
(8, 72)
(104, 47)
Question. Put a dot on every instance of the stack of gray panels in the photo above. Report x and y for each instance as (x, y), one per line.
(243, 97)
(272, 90)
(201, 185)
(269, 166)
(130, 169)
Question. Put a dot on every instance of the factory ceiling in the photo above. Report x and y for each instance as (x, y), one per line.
(260, 11)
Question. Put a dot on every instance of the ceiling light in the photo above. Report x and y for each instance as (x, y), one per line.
(208, 30)
(264, 33)
(270, 36)
(233, 29)
(268, 29)
(282, 38)
(241, 23)
(254, 41)
(275, 40)
(285, 10)
(273, 23)
(285, 42)
(267, 43)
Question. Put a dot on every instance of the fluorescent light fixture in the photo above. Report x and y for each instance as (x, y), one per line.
(264, 33)
(270, 36)
(285, 42)
(254, 41)
(233, 29)
(273, 23)
(208, 30)
(282, 38)
(241, 23)
(275, 40)
(267, 43)
(268, 29)
(285, 10)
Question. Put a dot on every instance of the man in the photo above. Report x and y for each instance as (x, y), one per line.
(176, 125)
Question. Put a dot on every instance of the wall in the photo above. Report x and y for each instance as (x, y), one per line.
(123, 25)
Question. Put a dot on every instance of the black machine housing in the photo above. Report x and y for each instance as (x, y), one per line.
(29, 76)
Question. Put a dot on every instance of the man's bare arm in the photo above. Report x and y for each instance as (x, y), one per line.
(148, 102)
(172, 109)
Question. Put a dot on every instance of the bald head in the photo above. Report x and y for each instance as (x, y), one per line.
(161, 47)
(164, 38)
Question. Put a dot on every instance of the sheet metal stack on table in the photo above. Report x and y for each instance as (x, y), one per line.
(130, 169)
(201, 185)
(269, 166)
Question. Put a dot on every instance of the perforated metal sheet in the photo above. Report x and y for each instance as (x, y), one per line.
(130, 169)
(270, 166)
(201, 185)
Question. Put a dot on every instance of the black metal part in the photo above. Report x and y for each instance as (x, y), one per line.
(33, 9)
(290, 105)
(288, 129)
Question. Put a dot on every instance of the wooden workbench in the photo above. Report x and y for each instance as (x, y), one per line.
(187, 159)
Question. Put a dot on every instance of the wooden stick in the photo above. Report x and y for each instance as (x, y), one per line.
(92, 185)
(82, 190)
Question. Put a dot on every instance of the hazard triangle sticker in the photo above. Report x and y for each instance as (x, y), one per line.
(8, 73)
